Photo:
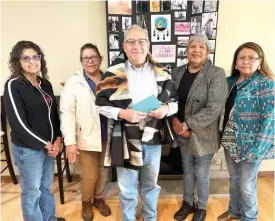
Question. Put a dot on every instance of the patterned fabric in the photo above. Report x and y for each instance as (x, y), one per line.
(252, 122)
(125, 149)
(228, 140)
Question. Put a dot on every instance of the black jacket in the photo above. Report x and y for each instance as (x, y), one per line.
(33, 122)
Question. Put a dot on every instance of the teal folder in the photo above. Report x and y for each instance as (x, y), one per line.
(148, 104)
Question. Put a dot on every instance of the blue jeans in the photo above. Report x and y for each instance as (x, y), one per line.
(196, 169)
(36, 173)
(149, 189)
(243, 189)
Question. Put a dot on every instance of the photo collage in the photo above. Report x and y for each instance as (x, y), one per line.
(169, 25)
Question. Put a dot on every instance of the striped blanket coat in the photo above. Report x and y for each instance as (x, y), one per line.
(125, 139)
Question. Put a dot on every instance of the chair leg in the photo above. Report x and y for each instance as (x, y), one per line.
(8, 159)
(6, 142)
(114, 175)
(60, 178)
(67, 167)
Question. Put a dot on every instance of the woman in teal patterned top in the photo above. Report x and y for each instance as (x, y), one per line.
(248, 132)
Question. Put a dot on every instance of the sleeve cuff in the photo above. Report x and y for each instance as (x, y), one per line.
(173, 108)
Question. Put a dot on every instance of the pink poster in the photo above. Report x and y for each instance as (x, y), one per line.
(164, 53)
(182, 28)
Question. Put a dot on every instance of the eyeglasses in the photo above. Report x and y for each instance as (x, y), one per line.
(92, 58)
(27, 58)
(140, 41)
(249, 59)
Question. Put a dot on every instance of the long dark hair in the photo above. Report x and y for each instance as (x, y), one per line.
(14, 61)
(263, 69)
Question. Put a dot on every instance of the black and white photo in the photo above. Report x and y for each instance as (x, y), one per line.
(181, 52)
(114, 41)
(178, 4)
(210, 6)
(126, 23)
(113, 23)
(181, 61)
(197, 6)
(195, 25)
(180, 15)
(142, 6)
(212, 44)
(141, 21)
(113, 55)
(182, 41)
(211, 58)
(209, 23)
(209, 18)
(165, 5)
(210, 32)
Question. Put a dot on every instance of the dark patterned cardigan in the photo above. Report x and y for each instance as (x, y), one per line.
(125, 139)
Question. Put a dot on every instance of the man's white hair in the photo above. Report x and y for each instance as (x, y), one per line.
(135, 26)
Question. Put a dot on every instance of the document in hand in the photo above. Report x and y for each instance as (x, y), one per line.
(148, 104)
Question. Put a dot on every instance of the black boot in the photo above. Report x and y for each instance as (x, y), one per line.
(60, 219)
(199, 215)
(184, 211)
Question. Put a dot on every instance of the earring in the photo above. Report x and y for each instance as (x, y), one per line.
(236, 67)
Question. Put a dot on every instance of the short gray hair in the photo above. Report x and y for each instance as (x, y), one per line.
(135, 26)
(201, 38)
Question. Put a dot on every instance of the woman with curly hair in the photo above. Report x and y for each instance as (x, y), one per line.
(35, 129)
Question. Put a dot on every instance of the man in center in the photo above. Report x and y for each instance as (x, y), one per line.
(135, 141)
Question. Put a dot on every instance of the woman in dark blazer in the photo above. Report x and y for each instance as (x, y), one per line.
(202, 91)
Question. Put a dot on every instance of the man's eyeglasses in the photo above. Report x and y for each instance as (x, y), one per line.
(27, 58)
(249, 59)
(92, 58)
(140, 41)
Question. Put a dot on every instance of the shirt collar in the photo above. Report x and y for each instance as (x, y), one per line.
(129, 65)
(87, 78)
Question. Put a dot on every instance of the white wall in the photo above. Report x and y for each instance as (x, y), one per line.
(59, 27)
(240, 21)
(62, 27)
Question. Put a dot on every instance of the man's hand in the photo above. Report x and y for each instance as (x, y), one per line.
(161, 112)
(131, 116)
(71, 152)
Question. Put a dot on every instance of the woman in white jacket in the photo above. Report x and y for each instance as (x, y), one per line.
(85, 131)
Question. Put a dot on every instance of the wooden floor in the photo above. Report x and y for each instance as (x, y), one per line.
(71, 210)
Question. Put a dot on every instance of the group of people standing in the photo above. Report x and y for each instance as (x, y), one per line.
(99, 126)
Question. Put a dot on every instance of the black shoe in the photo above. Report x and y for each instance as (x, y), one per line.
(199, 215)
(184, 211)
(60, 219)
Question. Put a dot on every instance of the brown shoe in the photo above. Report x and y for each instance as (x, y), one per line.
(87, 211)
(103, 208)
(226, 217)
